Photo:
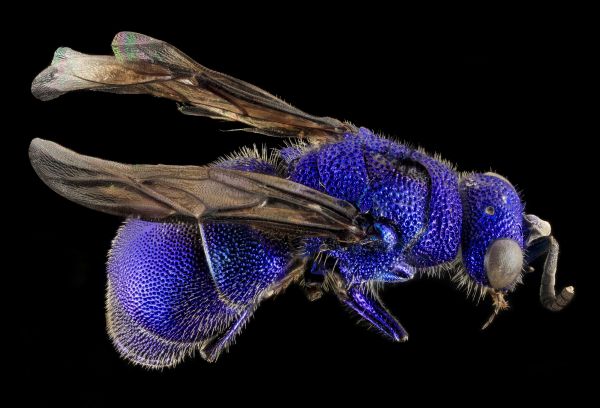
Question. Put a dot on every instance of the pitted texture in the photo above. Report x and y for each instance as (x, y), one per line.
(401, 198)
(161, 279)
(251, 164)
(244, 261)
(342, 169)
(380, 166)
(492, 210)
(386, 147)
(162, 301)
(398, 190)
(165, 300)
(138, 344)
(441, 241)
(176, 287)
(420, 194)
(291, 153)
(306, 171)
(359, 264)
(416, 194)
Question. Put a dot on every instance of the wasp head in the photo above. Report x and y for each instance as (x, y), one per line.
(499, 240)
(492, 233)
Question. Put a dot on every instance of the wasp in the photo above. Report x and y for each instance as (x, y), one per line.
(339, 210)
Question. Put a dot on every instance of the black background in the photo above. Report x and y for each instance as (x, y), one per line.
(505, 96)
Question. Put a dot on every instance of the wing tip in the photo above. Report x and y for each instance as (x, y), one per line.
(65, 53)
(131, 37)
(36, 146)
(53, 81)
(40, 149)
(46, 157)
(39, 154)
(40, 89)
(125, 46)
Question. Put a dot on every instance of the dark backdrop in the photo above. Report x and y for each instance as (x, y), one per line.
(484, 97)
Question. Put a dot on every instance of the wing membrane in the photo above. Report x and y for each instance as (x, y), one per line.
(142, 64)
(203, 193)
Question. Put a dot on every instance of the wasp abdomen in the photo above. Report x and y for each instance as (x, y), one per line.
(174, 286)
(161, 298)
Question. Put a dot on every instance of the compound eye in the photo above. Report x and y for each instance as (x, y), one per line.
(503, 263)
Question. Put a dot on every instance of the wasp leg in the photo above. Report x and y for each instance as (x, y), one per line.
(368, 305)
(314, 276)
(312, 290)
(213, 347)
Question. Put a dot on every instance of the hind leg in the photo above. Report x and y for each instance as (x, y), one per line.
(212, 348)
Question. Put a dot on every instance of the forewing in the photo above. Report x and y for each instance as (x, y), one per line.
(204, 193)
(142, 64)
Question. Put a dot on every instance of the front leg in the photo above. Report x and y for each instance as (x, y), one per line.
(368, 305)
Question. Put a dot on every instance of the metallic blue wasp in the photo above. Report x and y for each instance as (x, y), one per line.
(340, 210)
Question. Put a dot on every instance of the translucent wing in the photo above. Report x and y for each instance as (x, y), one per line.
(142, 64)
(203, 193)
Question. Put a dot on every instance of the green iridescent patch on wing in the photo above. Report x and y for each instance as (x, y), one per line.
(134, 47)
(129, 46)
(64, 54)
